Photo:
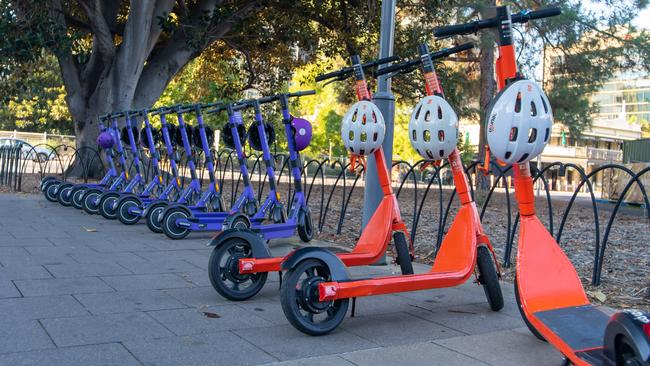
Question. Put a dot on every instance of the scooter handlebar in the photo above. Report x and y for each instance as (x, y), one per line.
(404, 66)
(473, 27)
(341, 74)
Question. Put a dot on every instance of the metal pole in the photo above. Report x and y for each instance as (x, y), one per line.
(385, 101)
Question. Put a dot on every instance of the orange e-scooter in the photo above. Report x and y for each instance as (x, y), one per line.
(317, 288)
(548, 289)
(241, 260)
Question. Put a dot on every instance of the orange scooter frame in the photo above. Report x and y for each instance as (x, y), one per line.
(328, 287)
(548, 289)
(257, 262)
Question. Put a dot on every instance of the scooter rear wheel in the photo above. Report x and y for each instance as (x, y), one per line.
(530, 326)
(488, 278)
(108, 205)
(123, 207)
(403, 253)
(154, 216)
(236, 221)
(169, 226)
(223, 270)
(299, 297)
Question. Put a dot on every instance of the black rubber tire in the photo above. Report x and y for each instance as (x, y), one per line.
(236, 221)
(88, 206)
(291, 298)
(219, 275)
(46, 180)
(403, 253)
(154, 216)
(169, 222)
(123, 210)
(306, 230)
(50, 192)
(488, 278)
(625, 353)
(77, 196)
(530, 326)
(64, 194)
(108, 205)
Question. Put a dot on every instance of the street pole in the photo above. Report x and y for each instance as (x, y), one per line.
(385, 101)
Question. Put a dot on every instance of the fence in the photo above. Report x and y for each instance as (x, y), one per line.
(426, 198)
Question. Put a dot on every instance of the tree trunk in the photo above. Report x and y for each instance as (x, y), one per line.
(488, 88)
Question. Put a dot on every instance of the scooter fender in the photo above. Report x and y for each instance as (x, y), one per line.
(257, 243)
(634, 326)
(337, 269)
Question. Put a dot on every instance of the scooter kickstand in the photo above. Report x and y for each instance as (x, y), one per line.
(280, 274)
(354, 307)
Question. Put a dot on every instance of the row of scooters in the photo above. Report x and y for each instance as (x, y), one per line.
(316, 288)
(167, 205)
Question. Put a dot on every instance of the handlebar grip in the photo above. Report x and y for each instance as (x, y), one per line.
(116, 115)
(537, 14)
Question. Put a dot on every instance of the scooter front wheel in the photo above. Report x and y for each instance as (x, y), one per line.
(90, 201)
(123, 207)
(223, 270)
(108, 205)
(77, 196)
(64, 194)
(530, 326)
(306, 228)
(51, 190)
(489, 279)
(154, 216)
(299, 297)
(170, 228)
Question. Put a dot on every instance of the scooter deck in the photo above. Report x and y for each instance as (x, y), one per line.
(580, 327)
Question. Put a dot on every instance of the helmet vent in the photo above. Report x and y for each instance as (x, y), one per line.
(363, 120)
(546, 135)
(533, 109)
(518, 103)
(545, 106)
(415, 135)
(417, 113)
(441, 135)
(439, 112)
(351, 135)
(426, 136)
(361, 152)
(442, 153)
(363, 137)
(532, 135)
(427, 116)
(375, 136)
(354, 116)
(514, 131)
(508, 154)
(430, 154)
(523, 158)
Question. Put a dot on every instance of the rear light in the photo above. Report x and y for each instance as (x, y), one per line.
(646, 329)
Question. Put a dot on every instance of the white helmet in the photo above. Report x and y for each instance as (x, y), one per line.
(363, 128)
(519, 122)
(433, 128)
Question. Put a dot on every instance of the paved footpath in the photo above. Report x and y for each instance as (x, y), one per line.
(77, 289)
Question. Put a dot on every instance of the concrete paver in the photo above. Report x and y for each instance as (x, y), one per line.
(77, 289)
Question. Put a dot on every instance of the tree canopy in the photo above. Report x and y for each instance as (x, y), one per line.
(114, 55)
